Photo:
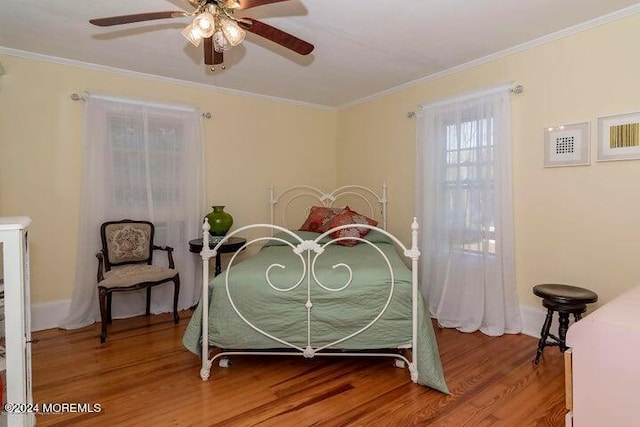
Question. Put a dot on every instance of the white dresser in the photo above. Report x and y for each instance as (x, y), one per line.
(605, 365)
(17, 328)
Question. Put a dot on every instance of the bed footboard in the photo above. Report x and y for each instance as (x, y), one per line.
(308, 252)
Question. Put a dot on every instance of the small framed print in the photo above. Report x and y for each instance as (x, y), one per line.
(566, 145)
(619, 137)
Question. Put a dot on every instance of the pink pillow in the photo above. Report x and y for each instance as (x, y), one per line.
(350, 217)
(319, 217)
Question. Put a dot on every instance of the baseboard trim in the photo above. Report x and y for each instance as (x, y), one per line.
(48, 315)
(532, 320)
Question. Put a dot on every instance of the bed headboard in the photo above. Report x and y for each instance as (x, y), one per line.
(299, 200)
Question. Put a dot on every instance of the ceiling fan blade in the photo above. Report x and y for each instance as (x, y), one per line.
(247, 4)
(208, 50)
(137, 17)
(275, 35)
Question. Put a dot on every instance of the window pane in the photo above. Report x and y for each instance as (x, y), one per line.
(148, 161)
(469, 172)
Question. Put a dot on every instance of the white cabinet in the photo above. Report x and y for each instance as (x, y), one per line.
(605, 364)
(17, 327)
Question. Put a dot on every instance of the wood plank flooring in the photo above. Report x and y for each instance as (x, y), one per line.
(143, 376)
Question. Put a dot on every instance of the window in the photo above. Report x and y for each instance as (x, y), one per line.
(469, 165)
(139, 160)
(148, 165)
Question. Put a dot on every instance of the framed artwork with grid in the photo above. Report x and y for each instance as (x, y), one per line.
(566, 145)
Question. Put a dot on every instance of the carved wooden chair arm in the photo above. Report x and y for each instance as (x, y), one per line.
(100, 257)
(169, 250)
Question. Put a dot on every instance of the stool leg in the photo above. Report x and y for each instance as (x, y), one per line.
(577, 316)
(543, 335)
(562, 330)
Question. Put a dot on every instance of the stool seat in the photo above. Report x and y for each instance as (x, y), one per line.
(565, 300)
(565, 294)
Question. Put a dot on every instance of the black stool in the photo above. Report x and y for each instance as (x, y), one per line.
(565, 300)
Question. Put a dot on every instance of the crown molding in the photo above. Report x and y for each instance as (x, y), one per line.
(153, 77)
(604, 19)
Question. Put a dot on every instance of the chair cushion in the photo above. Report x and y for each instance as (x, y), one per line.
(130, 275)
(128, 242)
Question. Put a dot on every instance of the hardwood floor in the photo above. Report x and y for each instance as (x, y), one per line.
(143, 376)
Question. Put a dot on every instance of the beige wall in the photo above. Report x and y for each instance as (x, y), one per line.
(250, 144)
(576, 225)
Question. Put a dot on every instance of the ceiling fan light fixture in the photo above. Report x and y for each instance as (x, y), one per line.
(192, 34)
(232, 32)
(220, 43)
(205, 24)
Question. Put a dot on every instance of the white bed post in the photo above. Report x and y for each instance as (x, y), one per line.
(206, 253)
(384, 205)
(415, 257)
(272, 205)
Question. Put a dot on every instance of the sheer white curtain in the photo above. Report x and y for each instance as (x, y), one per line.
(464, 200)
(141, 161)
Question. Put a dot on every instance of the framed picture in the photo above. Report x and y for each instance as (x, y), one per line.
(619, 137)
(566, 145)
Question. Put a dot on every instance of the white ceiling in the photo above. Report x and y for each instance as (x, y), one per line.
(362, 47)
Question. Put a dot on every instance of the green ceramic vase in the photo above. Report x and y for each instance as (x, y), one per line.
(219, 221)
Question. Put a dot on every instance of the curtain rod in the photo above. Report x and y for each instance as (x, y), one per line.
(515, 89)
(77, 97)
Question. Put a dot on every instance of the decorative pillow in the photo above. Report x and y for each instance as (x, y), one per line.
(319, 217)
(350, 217)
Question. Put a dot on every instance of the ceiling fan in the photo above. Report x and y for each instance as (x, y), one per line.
(215, 25)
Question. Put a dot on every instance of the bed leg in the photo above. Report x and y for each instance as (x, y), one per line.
(205, 370)
(413, 367)
(414, 372)
(224, 362)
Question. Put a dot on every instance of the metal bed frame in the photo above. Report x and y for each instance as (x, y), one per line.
(308, 251)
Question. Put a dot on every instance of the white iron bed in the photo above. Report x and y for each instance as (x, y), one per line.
(317, 297)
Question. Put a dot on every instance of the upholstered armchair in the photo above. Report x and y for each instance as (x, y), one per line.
(125, 264)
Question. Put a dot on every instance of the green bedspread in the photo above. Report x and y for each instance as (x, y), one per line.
(334, 314)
